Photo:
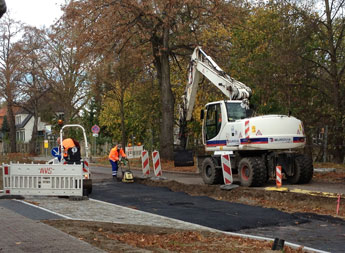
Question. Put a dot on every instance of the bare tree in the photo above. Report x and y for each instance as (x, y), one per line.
(66, 72)
(10, 58)
(32, 84)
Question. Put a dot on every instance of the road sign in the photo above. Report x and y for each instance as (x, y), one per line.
(95, 135)
(55, 152)
(46, 144)
(95, 129)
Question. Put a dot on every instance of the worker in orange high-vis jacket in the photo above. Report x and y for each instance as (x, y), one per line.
(71, 150)
(115, 155)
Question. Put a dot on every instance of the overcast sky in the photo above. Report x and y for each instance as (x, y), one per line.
(37, 13)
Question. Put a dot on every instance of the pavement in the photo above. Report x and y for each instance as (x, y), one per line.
(22, 234)
(19, 218)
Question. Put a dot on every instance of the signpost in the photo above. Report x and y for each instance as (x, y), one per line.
(46, 145)
(95, 130)
(56, 153)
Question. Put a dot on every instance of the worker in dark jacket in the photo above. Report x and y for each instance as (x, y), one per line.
(71, 150)
(3, 7)
(115, 155)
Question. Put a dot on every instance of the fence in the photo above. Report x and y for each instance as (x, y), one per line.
(94, 149)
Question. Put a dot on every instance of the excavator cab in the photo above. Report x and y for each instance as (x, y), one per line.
(238, 110)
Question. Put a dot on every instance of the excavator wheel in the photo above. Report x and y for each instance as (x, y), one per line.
(210, 173)
(303, 170)
(252, 171)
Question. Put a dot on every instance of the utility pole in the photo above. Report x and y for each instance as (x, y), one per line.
(325, 139)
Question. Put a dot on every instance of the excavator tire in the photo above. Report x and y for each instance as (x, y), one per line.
(210, 173)
(303, 170)
(252, 171)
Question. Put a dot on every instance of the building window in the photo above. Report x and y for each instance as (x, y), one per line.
(18, 120)
(20, 136)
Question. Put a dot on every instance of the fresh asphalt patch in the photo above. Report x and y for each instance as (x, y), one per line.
(316, 231)
(28, 211)
(199, 210)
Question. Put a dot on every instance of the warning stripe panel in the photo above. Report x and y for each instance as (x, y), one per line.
(254, 141)
(216, 143)
(227, 169)
(298, 139)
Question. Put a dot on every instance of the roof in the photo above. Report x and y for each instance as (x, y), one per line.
(3, 113)
(24, 122)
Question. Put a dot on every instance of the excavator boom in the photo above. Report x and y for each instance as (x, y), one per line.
(202, 64)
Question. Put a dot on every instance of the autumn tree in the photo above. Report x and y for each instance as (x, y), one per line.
(330, 62)
(325, 51)
(32, 85)
(119, 74)
(10, 59)
(67, 71)
(165, 29)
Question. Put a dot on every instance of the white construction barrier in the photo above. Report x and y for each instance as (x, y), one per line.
(226, 166)
(156, 163)
(43, 179)
(145, 164)
(134, 151)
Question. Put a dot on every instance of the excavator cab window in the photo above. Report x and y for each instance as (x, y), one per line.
(213, 121)
(235, 111)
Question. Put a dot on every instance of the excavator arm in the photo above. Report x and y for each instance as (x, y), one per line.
(202, 64)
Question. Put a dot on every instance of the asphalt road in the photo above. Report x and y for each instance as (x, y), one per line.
(316, 231)
(100, 173)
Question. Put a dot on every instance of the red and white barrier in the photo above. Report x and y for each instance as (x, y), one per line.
(226, 166)
(145, 162)
(156, 163)
(279, 177)
(246, 129)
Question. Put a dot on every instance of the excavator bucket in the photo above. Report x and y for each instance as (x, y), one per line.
(183, 158)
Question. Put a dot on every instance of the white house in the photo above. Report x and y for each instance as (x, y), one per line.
(24, 125)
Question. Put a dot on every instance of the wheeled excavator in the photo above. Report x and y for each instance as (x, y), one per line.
(256, 144)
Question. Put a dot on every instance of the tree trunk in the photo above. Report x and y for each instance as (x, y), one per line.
(122, 111)
(12, 126)
(167, 102)
(33, 141)
(337, 93)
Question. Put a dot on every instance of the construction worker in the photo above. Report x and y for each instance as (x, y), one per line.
(115, 155)
(71, 150)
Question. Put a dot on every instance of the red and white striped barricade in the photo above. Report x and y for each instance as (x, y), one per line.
(227, 173)
(43, 179)
(145, 164)
(246, 129)
(157, 168)
(279, 177)
(226, 166)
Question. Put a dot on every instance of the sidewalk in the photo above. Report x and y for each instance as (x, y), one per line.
(21, 234)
